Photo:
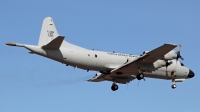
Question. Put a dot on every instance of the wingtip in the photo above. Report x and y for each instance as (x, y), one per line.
(171, 44)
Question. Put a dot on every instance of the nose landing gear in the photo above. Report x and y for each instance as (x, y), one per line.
(173, 84)
(114, 86)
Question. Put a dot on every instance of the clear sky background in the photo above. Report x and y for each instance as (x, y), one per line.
(30, 83)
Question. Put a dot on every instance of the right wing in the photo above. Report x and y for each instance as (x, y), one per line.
(131, 69)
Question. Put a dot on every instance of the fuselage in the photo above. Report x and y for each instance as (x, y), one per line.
(107, 61)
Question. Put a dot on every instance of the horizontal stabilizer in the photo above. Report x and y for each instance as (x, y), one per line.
(14, 44)
(55, 43)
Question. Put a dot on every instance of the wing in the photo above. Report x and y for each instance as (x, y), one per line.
(158, 53)
(129, 71)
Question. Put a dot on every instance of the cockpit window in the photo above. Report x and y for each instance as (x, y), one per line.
(182, 64)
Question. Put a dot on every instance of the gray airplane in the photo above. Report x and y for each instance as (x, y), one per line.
(160, 63)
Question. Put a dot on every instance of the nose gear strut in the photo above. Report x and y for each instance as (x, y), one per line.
(173, 84)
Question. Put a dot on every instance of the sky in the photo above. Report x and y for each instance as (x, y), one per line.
(31, 83)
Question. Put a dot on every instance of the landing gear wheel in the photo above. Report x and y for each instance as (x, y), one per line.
(114, 87)
(173, 86)
(140, 76)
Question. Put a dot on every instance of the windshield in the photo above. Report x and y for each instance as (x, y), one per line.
(182, 64)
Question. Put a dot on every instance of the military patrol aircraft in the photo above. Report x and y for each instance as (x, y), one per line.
(160, 63)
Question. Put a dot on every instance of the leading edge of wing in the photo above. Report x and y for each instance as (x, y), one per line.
(162, 50)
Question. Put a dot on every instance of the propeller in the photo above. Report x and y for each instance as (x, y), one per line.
(179, 53)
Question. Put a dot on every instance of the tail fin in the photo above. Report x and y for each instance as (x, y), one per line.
(48, 32)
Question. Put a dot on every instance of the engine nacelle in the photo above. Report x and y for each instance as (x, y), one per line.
(170, 55)
(160, 63)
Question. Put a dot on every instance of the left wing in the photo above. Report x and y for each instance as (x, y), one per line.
(55, 43)
(131, 69)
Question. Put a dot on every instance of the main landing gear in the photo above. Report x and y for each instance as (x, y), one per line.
(140, 76)
(114, 86)
(173, 84)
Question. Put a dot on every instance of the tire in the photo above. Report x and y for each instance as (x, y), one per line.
(173, 86)
(140, 76)
(114, 87)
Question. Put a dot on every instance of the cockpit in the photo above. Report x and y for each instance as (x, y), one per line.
(182, 64)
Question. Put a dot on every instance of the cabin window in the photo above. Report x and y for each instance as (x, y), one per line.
(95, 56)
(88, 54)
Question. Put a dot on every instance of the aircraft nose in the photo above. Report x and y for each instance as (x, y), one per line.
(191, 74)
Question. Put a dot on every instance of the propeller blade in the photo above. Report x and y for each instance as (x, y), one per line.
(179, 53)
(182, 58)
(179, 47)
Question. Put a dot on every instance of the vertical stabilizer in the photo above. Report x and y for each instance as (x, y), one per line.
(48, 32)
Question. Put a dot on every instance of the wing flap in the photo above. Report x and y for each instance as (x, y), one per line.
(55, 43)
